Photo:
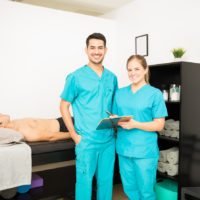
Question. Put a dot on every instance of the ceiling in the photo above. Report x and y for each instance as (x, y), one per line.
(88, 7)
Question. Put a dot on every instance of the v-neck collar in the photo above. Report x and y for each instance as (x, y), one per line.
(139, 90)
(103, 72)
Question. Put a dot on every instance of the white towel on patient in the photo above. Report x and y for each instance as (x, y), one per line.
(172, 170)
(163, 154)
(173, 156)
(15, 166)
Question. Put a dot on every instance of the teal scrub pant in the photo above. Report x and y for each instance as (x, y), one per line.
(138, 177)
(94, 159)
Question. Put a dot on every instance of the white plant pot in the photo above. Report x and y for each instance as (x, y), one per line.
(178, 59)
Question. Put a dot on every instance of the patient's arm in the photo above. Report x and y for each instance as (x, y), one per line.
(58, 136)
(4, 120)
(32, 135)
(35, 129)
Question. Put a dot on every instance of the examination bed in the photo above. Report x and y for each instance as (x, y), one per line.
(51, 152)
(59, 181)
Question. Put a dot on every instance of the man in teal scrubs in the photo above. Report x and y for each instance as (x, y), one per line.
(90, 91)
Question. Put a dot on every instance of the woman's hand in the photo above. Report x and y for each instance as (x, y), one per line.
(113, 116)
(128, 125)
(155, 125)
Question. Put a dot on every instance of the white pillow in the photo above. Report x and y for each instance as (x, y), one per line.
(8, 136)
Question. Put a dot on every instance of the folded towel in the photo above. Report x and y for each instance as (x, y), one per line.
(9, 136)
(15, 165)
(173, 156)
(163, 154)
(172, 170)
(162, 167)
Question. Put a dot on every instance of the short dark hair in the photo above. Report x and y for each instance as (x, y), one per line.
(98, 36)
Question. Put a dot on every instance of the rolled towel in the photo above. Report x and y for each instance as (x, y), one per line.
(162, 167)
(173, 156)
(175, 134)
(162, 132)
(172, 170)
(163, 154)
(175, 125)
(168, 133)
(168, 123)
(172, 125)
(169, 120)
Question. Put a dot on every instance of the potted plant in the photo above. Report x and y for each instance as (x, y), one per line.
(178, 53)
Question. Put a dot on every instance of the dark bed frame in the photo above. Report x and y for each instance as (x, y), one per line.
(58, 182)
(51, 152)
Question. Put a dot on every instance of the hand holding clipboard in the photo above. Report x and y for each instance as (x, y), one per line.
(111, 122)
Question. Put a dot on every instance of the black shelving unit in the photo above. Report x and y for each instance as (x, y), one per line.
(187, 111)
(168, 139)
(164, 175)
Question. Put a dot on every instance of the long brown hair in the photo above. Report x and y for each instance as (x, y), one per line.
(143, 62)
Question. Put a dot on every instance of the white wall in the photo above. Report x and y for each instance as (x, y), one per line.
(38, 48)
(169, 23)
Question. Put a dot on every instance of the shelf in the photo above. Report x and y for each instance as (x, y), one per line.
(172, 102)
(171, 139)
(165, 175)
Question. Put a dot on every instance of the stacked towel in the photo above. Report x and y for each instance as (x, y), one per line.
(168, 161)
(171, 129)
(163, 154)
(162, 167)
(172, 156)
(172, 170)
(171, 124)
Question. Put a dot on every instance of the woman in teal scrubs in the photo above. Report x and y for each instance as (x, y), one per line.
(136, 143)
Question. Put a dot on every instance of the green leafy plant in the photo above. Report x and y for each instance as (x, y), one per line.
(178, 53)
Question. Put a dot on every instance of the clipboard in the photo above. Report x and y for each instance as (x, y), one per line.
(107, 123)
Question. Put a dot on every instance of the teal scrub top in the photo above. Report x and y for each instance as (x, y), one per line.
(90, 97)
(144, 105)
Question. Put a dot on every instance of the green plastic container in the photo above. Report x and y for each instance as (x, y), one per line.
(166, 189)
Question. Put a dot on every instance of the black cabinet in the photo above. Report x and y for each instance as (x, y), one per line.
(187, 111)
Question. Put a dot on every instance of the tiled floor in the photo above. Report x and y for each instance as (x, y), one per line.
(118, 193)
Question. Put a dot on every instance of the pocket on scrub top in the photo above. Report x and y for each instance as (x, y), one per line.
(108, 91)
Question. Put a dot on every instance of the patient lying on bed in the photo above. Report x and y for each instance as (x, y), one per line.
(37, 129)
